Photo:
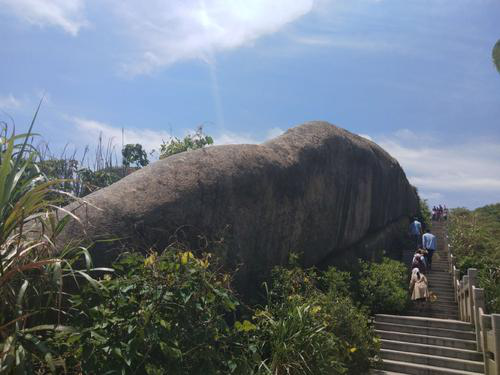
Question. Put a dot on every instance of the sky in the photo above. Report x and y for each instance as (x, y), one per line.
(414, 76)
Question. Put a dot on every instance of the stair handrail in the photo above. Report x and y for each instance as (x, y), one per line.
(472, 309)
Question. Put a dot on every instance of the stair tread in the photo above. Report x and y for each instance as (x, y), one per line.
(428, 336)
(419, 319)
(427, 367)
(430, 356)
(396, 327)
(434, 347)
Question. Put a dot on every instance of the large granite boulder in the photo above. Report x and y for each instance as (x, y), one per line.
(316, 189)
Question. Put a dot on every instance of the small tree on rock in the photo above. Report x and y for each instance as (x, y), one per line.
(134, 155)
(188, 143)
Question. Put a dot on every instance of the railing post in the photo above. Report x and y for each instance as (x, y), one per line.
(478, 297)
(472, 273)
(464, 288)
(460, 289)
(485, 326)
(456, 281)
(495, 325)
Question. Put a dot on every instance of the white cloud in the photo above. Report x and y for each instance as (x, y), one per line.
(90, 130)
(438, 168)
(346, 42)
(67, 14)
(233, 138)
(170, 31)
(9, 102)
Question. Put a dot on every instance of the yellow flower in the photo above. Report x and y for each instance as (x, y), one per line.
(316, 309)
(185, 256)
(353, 349)
(150, 260)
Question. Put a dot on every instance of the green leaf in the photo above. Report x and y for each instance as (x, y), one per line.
(496, 55)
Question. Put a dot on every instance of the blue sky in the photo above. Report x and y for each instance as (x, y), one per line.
(415, 76)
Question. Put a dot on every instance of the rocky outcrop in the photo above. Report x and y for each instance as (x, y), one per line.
(317, 189)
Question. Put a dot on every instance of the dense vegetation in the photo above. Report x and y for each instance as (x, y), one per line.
(475, 241)
(170, 310)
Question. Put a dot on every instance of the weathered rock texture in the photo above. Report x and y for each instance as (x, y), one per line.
(317, 189)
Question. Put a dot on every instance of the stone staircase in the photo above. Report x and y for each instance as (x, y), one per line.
(432, 341)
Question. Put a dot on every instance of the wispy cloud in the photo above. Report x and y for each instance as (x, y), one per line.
(439, 168)
(9, 102)
(90, 130)
(347, 42)
(87, 131)
(66, 14)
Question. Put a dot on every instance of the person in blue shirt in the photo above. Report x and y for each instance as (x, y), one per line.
(415, 232)
(429, 244)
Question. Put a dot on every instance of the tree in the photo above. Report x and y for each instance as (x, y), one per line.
(496, 55)
(134, 155)
(188, 143)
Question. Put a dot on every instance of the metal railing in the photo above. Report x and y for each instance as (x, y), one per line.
(472, 309)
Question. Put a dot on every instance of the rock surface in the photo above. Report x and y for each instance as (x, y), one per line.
(317, 189)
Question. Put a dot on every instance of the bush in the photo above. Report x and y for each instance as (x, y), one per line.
(474, 238)
(164, 312)
(305, 330)
(383, 286)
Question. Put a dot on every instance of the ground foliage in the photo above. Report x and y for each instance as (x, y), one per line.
(177, 312)
(475, 241)
(383, 287)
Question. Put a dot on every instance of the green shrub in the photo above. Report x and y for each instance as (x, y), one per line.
(474, 239)
(305, 330)
(164, 313)
(383, 286)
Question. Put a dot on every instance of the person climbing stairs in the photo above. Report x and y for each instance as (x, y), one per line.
(432, 341)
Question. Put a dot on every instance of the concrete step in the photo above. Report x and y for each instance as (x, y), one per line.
(418, 369)
(444, 296)
(440, 332)
(434, 314)
(427, 340)
(439, 277)
(441, 282)
(441, 351)
(383, 372)
(425, 322)
(438, 305)
(447, 291)
(433, 360)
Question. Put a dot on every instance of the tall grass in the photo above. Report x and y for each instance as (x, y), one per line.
(85, 172)
(32, 267)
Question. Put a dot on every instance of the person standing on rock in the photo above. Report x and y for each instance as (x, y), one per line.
(429, 244)
(415, 232)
